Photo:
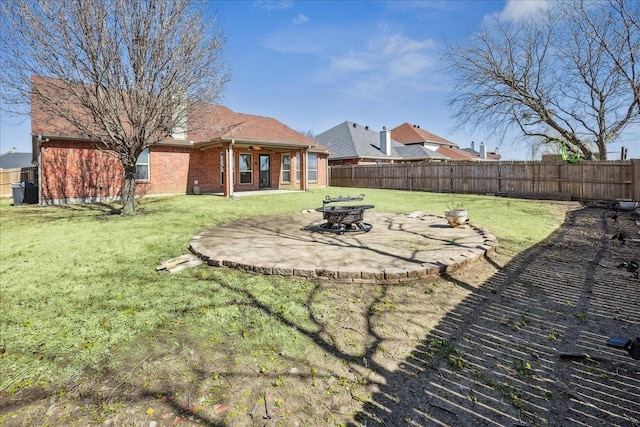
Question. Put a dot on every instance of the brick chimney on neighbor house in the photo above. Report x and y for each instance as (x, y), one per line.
(385, 141)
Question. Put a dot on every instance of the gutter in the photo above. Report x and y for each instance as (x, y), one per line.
(36, 143)
(260, 142)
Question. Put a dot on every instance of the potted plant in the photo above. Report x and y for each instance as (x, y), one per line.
(456, 214)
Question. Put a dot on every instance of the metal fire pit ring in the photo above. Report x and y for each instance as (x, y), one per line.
(342, 218)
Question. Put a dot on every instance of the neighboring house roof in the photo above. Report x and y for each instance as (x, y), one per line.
(210, 124)
(13, 160)
(456, 154)
(349, 140)
(408, 133)
(491, 155)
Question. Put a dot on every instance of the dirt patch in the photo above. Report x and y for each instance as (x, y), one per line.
(480, 346)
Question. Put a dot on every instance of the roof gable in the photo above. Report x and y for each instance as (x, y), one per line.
(456, 154)
(407, 133)
(220, 123)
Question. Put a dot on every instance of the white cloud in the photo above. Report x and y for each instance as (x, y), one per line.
(384, 63)
(300, 19)
(360, 60)
(295, 40)
(351, 62)
(516, 10)
(410, 65)
(273, 4)
(397, 45)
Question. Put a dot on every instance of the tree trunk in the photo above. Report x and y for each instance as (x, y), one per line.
(129, 190)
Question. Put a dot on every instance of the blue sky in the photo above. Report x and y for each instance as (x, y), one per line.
(315, 64)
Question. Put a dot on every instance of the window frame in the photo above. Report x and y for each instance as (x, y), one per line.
(312, 170)
(146, 164)
(286, 169)
(242, 172)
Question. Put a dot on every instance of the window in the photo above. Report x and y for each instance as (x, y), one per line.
(142, 166)
(297, 167)
(286, 168)
(312, 168)
(246, 169)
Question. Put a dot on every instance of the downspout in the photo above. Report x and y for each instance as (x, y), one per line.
(39, 163)
(306, 162)
(306, 153)
(328, 178)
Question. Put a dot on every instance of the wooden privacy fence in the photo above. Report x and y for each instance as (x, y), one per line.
(7, 176)
(585, 180)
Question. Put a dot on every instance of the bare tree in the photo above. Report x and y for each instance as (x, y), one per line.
(122, 73)
(570, 75)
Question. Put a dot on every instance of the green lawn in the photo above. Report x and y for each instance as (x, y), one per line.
(80, 294)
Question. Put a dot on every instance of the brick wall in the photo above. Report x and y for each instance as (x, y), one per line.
(168, 170)
(75, 171)
(204, 167)
(344, 162)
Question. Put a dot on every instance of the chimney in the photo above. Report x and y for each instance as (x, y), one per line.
(385, 141)
(483, 151)
(179, 130)
(473, 146)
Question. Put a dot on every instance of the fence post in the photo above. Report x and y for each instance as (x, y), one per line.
(635, 179)
(411, 177)
(451, 177)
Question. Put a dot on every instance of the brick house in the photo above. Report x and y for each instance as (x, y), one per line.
(237, 152)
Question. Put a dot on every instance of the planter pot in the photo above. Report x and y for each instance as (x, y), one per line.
(627, 206)
(456, 217)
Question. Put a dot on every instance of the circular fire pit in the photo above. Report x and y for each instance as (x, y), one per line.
(341, 218)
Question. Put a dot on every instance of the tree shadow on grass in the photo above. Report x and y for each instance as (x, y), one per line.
(529, 347)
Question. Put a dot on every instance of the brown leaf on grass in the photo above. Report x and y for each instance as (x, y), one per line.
(217, 408)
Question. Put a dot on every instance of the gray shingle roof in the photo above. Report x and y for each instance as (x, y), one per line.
(15, 160)
(350, 140)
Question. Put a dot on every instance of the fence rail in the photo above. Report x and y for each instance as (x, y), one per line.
(7, 176)
(585, 180)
